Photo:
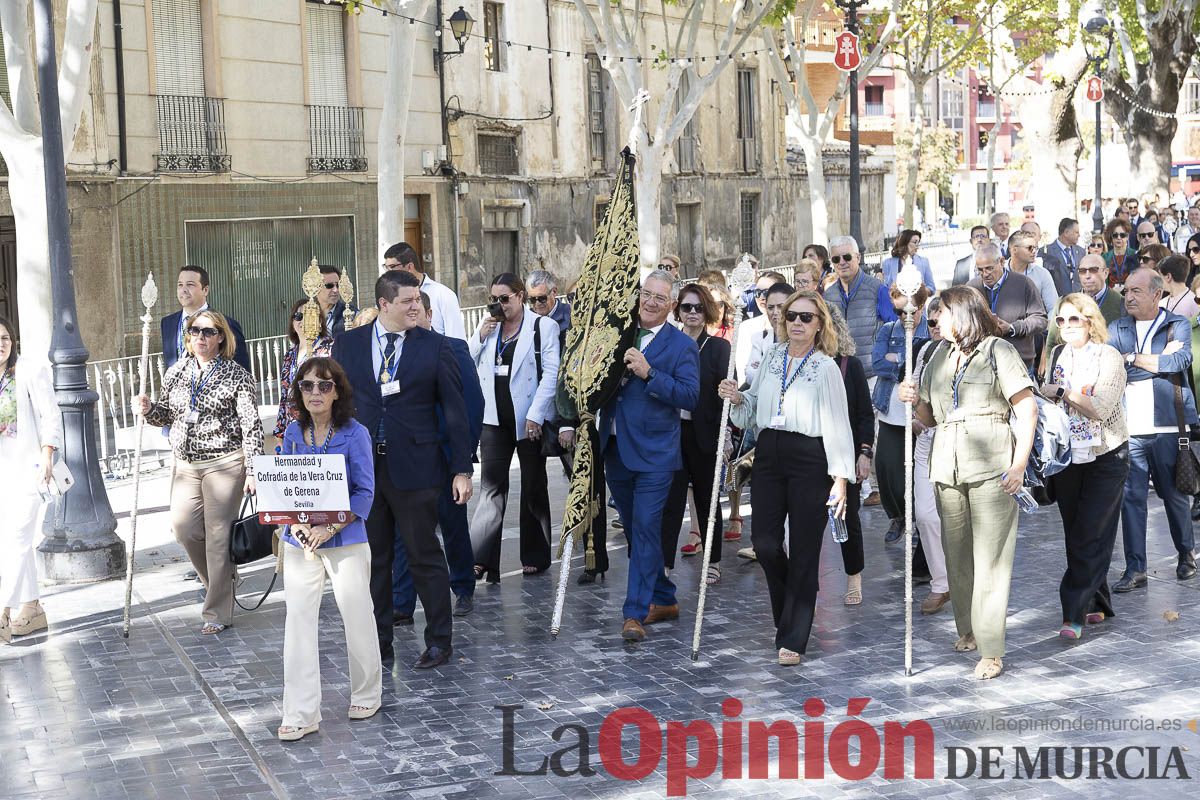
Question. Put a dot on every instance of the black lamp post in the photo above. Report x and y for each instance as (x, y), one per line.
(1096, 26)
(81, 542)
(851, 7)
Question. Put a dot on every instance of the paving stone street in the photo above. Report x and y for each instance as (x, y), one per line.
(168, 713)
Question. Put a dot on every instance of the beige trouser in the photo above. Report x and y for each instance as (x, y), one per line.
(204, 503)
(349, 569)
(979, 535)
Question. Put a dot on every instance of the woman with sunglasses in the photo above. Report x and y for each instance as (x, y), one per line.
(325, 425)
(1192, 252)
(30, 433)
(700, 430)
(297, 354)
(211, 404)
(516, 354)
(1087, 378)
(1119, 256)
(1097, 246)
(968, 391)
(804, 459)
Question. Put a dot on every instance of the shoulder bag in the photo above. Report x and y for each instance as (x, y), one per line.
(250, 541)
(551, 425)
(1187, 471)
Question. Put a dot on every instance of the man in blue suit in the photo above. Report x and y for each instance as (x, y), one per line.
(191, 289)
(401, 375)
(452, 517)
(641, 442)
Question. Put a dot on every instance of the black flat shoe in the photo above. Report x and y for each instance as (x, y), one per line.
(399, 618)
(433, 657)
(590, 576)
(1129, 582)
(1186, 568)
(483, 573)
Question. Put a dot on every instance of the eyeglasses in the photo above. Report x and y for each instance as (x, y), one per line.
(1073, 319)
(658, 298)
(804, 316)
(1120, 235)
(202, 333)
(691, 308)
(331, 286)
(1147, 260)
(501, 299)
(844, 258)
(539, 300)
(311, 387)
(298, 316)
(1089, 270)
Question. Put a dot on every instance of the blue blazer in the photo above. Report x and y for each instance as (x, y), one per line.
(170, 329)
(472, 394)
(429, 379)
(891, 268)
(647, 412)
(1123, 336)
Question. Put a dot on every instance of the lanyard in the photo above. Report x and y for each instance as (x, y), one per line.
(994, 292)
(785, 382)
(848, 299)
(1066, 251)
(1149, 333)
(1099, 298)
(197, 388)
(388, 365)
(958, 377)
(312, 440)
(502, 343)
(1119, 271)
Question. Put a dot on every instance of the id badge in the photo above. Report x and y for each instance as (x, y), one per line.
(192, 417)
(390, 388)
(502, 370)
(778, 422)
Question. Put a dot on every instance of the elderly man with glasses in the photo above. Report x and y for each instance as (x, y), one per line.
(863, 299)
(542, 295)
(964, 268)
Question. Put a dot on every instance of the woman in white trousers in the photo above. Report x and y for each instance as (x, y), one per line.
(924, 505)
(30, 432)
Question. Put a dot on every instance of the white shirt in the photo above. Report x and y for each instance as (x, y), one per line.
(748, 330)
(380, 344)
(444, 310)
(653, 332)
(814, 405)
(758, 350)
(1044, 282)
(1139, 396)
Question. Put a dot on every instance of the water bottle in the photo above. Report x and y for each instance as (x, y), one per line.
(1024, 499)
(838, 526)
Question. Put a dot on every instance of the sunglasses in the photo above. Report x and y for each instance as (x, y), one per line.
(331, 286)
(311, 387)
(1073, 319)
(845, 258)
(1149, 235)
(1193, 250)
(761, 292)
(1146, 260)
(1120, 236)
(539, 300)
(932, 323)
(202, 333)
(298, 316)
(501, 299)
(691, 308)
(1089, 270)
(804, 316)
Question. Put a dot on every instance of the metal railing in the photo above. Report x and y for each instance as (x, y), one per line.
(116, 381)
(336, 143)
(191, 134)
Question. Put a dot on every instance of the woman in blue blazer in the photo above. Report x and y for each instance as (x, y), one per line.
(905, 248)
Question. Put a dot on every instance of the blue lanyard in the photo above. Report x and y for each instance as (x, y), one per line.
(958, 377)
(312, 441)
(392, 364)
(994, 292)
(196, 389)
(785, 382)
(848, 299)
(1100, 297)
(502, 343)
(1066, 251)
(1149, 333)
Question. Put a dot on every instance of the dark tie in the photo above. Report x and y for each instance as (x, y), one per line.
(389, 353)
(642, 334)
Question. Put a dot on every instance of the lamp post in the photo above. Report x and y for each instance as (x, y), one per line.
(851, 7)
(1097, 25)
(81, 542)
(461, 24)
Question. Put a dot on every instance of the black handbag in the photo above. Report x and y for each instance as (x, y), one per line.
(1187, 471)
(550, 428)
(249, 539)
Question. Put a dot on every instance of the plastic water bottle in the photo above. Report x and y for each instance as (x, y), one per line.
(1024, 498)
(838, 526)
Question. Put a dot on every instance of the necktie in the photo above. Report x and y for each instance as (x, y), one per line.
(389, 354)
(642, 334)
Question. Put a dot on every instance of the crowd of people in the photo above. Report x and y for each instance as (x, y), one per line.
(412, 400)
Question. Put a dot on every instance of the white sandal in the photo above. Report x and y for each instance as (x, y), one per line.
(714, 574)
(290, 733)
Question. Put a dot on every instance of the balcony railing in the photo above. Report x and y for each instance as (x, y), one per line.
(191, 134)
(335, 135)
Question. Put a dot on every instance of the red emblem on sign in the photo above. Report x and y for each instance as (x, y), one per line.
(1095, 89)
(846, 55)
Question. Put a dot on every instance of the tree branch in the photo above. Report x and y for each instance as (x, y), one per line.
(75, 66)
(22, 73)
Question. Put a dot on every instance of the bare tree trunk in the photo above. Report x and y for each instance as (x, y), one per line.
(648, 187)
(818, 201)
(914, 151)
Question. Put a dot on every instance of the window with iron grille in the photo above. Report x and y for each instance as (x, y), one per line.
(874, 101)
(1191, 104)
(4, 93)
(335, 129)
(191, 126)
(985, 107)
(747, 118)
(493, 31)
(597, 96)
(749, 219)
(498, 154)
(687, 145)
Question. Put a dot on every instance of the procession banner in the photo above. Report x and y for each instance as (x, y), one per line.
(305, 489)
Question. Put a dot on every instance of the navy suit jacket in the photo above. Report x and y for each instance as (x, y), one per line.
(472, 394)
(647, 412)
(1066, 280)
(170, 329)
(1123, 336)
(339, 318)
(430, 380)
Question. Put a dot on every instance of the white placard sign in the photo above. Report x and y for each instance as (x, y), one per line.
(309, 489)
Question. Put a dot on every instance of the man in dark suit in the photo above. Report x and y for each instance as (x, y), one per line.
(964, 269)
(452, 517)
(401, 374)
(330, 299)
(640, 439)
(191, 289)
(1062, 256)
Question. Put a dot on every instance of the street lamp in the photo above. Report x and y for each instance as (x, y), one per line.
(460, 25)
(1096, 26)
(851, 7)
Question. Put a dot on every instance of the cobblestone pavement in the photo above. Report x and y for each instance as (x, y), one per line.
(168, 713)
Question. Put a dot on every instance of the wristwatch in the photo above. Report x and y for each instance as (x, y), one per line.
(1059, 394)
(1129, 358)
(650, 374)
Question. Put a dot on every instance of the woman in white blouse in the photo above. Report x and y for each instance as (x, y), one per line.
(804, 457)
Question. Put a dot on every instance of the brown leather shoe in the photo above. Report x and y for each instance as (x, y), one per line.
(934, 602)
(633, 631)
(872, 499)
(662, 613)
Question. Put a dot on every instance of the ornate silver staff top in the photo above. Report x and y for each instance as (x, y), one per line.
(909, 282)
(740, 278)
